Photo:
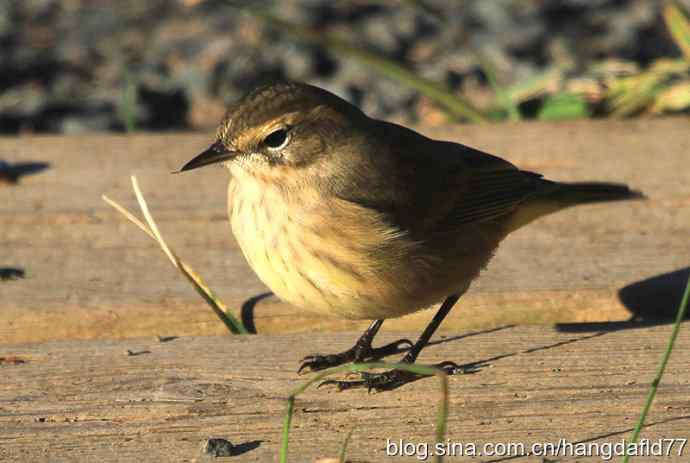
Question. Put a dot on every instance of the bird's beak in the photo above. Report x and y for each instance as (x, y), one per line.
(215, 153)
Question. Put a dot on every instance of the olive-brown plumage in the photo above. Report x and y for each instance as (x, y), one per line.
(354, 217)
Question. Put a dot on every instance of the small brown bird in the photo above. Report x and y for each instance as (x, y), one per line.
(350, 216)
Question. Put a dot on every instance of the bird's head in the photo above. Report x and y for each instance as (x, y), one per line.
(280, 128)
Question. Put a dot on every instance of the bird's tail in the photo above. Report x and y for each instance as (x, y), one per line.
(571, 194)
(554, 196)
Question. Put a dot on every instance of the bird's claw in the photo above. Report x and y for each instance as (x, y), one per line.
(319, 362)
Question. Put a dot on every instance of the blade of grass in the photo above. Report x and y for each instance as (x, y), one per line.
(682, 309)
(152, 223)
(454, 105)
(128, 104)
(129, 216)
(422, 370)
(343, 448)
(234, 325)
(678, 26)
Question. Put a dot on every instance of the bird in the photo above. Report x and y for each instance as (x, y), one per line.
(344, 215)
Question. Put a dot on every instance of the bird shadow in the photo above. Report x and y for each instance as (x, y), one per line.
(477, 365)
(245, 447)
(467, 335)
(652, 301)
(248, 308)
(11, 273)
(12, 173)
(655, 298)
(219, 447)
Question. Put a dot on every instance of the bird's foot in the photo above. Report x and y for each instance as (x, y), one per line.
(388, 380)
(318, 362)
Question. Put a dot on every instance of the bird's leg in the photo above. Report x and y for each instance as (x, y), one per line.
(393, 379)
(362, 350)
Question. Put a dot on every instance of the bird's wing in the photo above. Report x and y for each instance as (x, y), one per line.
(421, 185)
(490, 187)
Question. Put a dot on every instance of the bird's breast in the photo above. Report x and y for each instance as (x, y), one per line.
(301, 251)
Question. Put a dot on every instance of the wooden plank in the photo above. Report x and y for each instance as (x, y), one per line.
(91, 274)
(91, 401)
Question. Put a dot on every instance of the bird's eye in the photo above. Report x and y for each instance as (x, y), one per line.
(277, 139)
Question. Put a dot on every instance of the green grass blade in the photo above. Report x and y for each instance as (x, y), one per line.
(343, 448)
(287, 422)
(442, 415)
(682, 309)
(678, 26)
(453, 104)
(128, 104)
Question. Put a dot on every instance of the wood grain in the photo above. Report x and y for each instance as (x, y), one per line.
(91, 401)
(91, 274)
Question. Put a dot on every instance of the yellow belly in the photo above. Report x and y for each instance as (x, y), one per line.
(302, 262)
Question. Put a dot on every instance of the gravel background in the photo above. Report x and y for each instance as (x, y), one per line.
(71, 65)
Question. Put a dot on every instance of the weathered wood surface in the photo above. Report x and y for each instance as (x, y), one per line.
(91, 401)
(90, 274)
